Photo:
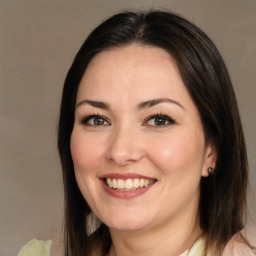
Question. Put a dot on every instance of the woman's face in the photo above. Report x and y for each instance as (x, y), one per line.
(137, 144)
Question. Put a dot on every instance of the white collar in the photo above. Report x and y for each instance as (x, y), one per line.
(184, 253)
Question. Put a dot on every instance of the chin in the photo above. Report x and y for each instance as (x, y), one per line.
(126, 227)
(126, 223)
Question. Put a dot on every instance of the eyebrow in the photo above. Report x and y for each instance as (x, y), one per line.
(142, 105)
(96, 104)
(153, 102)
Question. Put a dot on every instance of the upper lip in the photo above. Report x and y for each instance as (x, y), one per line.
(125, 176)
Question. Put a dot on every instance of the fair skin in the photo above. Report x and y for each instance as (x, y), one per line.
(134, 119)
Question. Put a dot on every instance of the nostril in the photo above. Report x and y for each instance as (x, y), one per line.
(125, 147)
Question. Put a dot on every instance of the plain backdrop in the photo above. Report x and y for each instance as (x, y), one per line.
(38, 40)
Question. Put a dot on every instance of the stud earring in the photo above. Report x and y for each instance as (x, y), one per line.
(210, 170)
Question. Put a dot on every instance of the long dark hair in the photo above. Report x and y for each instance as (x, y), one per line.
(222, 204)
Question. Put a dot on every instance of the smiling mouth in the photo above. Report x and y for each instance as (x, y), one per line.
(128, 184)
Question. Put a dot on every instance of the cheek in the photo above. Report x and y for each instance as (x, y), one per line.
(178, 153)
(85, 151)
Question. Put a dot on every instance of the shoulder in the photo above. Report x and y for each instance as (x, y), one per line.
(240, 245)
(36, 247)
(237, 246)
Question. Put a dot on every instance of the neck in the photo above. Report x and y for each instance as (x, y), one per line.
(170, 239)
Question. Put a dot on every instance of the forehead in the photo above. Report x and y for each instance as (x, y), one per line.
(132, 68)
(133, 53)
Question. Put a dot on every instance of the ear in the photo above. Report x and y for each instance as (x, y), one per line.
(210, 158)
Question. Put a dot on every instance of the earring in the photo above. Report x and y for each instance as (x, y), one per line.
(210, 170)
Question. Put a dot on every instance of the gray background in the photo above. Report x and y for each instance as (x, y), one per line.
(38, 40)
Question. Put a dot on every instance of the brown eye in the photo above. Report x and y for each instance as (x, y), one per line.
(94, 120)
(160, 120)
(98, 121)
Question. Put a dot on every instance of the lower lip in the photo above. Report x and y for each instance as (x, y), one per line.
(125, 194)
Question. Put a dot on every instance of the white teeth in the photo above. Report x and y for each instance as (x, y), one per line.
(129, 184)
(114, 183)
(120, 184)
(136, 183)
(109, 182)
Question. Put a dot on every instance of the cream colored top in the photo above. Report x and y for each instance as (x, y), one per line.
(184, 253)
(36, 248)
(42, 248)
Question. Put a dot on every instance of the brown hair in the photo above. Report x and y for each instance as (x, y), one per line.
(222, 203)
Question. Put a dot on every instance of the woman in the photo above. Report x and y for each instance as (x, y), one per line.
(148, 99)
(151, 143)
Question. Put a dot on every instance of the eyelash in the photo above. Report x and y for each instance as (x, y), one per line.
(85, 120)
(163, 117)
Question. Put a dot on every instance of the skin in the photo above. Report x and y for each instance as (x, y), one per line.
(164, 219)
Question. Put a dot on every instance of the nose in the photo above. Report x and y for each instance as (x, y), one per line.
(125, 146)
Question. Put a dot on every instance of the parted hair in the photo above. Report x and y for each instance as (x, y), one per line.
(222, 204)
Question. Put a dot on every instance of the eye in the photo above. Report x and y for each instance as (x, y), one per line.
(94, 120)
(160, 120)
